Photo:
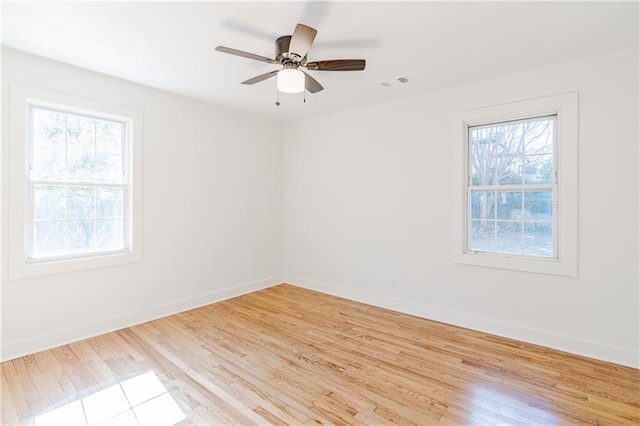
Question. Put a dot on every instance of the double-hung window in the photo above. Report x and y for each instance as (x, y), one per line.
(78, 184)
(74, 199)
(512, 188)
(517, 205)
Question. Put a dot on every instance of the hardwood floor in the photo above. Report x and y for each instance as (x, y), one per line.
(286, 355)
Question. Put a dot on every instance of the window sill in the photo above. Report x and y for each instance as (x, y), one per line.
(517, 263)
(28, 269)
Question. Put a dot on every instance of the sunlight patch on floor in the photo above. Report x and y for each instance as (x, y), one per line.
(140, 401)
(493, 402)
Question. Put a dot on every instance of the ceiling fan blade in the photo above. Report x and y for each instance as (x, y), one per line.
(248, 55)
(337, 65)
(261, 77)
(301, 41)
(311, 84)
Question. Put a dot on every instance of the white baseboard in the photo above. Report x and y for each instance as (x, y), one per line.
(16, 349)
(617, 355)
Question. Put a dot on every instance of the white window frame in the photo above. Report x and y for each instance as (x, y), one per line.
(565, 108)
(20, 266)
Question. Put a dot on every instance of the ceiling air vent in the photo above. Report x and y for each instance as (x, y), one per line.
(395, 81)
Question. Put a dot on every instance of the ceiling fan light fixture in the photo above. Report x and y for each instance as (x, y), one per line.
(290, 80)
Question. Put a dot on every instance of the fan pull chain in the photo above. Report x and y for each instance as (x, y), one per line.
(304, 97)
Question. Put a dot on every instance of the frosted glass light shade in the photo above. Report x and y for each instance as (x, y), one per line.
(290, 81)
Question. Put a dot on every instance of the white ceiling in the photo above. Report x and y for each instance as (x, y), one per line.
(170, 45)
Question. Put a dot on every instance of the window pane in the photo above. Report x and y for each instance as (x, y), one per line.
(81, 133)
(81, 235)
(110, 203)
(483, 171)
(80, 165)
(48, 164)
(48, 128)
(509, 154)
(50, 202)
(109, 168)
(109, 234)
(49, 237)
(483, 204)
(82, 202)
(539, 223)
(538, 205)
(109, 137)
(539, 169)
(509, 205)
(509, 170)
(509, 238)
(539, 137)
(482, 237)
(538, 239)
(508, 140)
(483, 142)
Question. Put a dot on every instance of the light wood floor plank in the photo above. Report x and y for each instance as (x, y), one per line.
(287, 355)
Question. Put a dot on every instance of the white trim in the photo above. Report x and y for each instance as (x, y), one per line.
(565, 106)
(608, 353)
(21, 98)
(31, 345)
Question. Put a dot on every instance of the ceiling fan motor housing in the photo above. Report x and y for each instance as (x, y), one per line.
(282, 48)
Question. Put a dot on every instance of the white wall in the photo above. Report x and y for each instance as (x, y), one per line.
(368, 196)
(212, 214)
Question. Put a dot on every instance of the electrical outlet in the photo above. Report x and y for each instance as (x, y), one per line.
(394, 283)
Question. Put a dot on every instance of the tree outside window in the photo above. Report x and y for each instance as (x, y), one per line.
(512, 188)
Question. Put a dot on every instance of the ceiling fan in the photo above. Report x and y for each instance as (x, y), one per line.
(291, 53)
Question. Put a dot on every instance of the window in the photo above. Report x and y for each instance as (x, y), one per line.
(74, 202)
(77, 184)
(518, 208)
(512, 188)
